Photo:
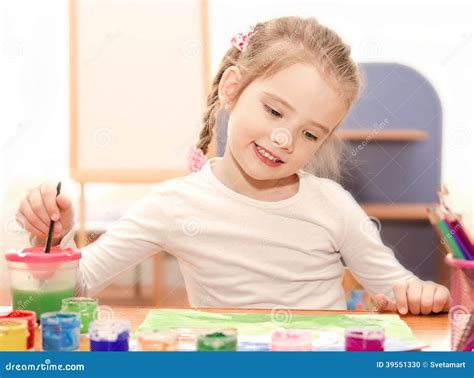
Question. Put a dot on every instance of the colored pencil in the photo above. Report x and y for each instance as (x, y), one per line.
(447, 236)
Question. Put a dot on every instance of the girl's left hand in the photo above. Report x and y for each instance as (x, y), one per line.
(416, 296)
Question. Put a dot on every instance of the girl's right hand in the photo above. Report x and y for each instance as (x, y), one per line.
(39, 207)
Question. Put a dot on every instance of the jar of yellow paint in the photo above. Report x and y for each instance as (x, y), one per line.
(13, 334)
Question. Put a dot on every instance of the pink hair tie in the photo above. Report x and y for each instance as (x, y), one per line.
(196, 159)
(241, 40)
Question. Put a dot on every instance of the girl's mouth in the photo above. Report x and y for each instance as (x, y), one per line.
(266, 157)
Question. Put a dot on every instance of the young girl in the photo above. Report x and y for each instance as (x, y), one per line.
(253, 229)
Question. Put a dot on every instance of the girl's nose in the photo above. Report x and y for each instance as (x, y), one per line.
(282, 138)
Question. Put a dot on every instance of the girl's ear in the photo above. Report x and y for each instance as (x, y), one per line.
(229, 85)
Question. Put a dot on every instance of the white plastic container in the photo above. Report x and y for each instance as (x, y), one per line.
(39, 281)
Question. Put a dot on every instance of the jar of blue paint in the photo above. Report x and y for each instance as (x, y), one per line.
(111, 336)
(61, 331)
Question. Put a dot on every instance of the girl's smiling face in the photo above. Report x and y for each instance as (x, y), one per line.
(279, 122)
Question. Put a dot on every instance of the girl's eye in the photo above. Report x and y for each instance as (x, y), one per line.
(273, 112)
(310, 136)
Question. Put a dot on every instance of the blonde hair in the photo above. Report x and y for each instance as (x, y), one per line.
(280, 43)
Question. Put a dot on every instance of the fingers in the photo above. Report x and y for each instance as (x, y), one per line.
(423, 297)
(35, 203)
(48, 195)
(416, 296)
(63, 202)
(384, 303)
(415, 289)
(427, 298)
(37, 228)
(449, 303)
(26, 216)
(32, 223)
(441, 299)
(400, 292)
(38, 209)
(66, 211)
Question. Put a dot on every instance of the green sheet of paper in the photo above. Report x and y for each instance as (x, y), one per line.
(263, 324)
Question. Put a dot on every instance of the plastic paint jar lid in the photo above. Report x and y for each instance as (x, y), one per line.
(35, 255)
(8, 325)
(365, 339)
(41, 265)
(19, 314)
(78, 304)
(160, 341)
(60, 319)
(109, 331)
(291, 340)
(221, 340)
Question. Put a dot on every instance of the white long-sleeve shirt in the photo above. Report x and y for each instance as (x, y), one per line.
(235, 251)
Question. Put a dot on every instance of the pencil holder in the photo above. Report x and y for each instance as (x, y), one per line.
(462, 295)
